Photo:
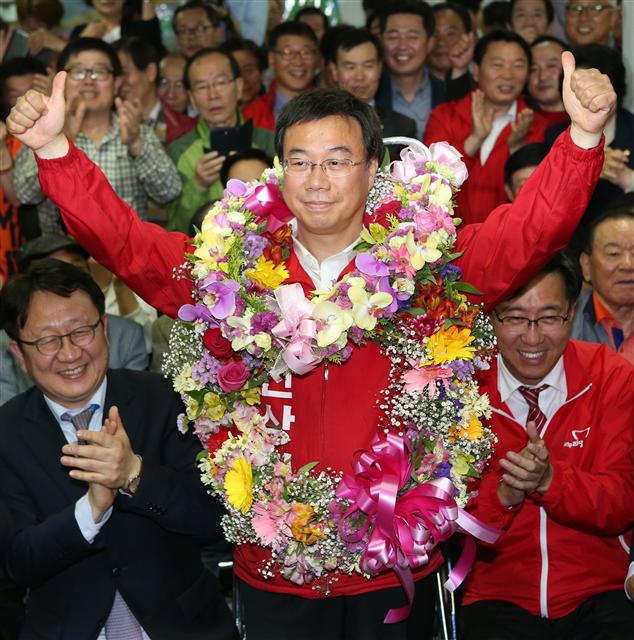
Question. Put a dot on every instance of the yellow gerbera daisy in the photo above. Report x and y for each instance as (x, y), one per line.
(266, 274)
(474, 430)
(239, 485)
(451, 344)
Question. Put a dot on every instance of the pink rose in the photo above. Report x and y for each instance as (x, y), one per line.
(232, 376)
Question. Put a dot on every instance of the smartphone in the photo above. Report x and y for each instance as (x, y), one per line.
(18, 45)
(226, 140)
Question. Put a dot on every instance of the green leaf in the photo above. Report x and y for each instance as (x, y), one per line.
(307, 468)
(465, 287)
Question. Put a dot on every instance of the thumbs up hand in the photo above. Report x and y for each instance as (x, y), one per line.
(37, 120)
(589, 99)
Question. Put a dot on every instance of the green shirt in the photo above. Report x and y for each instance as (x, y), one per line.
(185, 153)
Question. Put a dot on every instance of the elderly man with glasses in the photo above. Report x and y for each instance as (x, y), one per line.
(212, 78)
(100, 486)
(127, 151)
(561, 481)
(591, 21)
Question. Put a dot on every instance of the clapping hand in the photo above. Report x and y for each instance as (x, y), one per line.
(519, 130)
(129, 113)
(525, 471)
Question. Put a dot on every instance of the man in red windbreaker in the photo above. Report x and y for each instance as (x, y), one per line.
(490, 123)
(562, 477)
(330, 411)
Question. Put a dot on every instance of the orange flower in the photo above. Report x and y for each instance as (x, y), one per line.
(301, 528)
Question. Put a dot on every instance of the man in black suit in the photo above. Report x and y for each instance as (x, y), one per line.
(355, 65)
(108, 513)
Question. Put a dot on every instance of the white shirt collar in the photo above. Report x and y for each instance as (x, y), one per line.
(498, 125)
(98, 398)
(323, 274)
(509, 384)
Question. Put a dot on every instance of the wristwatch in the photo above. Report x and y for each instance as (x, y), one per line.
(133, 481)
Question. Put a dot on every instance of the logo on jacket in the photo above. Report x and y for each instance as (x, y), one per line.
(579, 436)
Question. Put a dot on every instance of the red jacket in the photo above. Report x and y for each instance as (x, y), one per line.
(260, 110)
(330, 414)
(484, 190)
(563, 547)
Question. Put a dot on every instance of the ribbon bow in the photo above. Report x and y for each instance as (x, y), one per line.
(264, 201)
(404, 529)
(297, 329)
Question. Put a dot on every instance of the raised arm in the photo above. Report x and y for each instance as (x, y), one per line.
(517, 239)
(142, 254)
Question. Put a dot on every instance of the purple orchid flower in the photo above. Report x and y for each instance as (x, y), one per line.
(370, 266)
(223, 298)
(191, 312)
(384, 286)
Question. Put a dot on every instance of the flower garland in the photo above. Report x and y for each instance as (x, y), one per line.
(247, 325)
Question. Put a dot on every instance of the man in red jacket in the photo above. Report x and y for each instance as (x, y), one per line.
(490, 123)
(562, 478)
(331, 411)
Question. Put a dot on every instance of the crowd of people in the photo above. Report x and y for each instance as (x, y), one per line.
(112, 151)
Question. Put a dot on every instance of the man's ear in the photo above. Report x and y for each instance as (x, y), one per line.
(333, 72)
(584, 261)
(239, 88)
(14, 348)
(475, 72)
(571, 313)
(152, 72)
(509, 193)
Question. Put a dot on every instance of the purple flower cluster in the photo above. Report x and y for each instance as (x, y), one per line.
(462, 368)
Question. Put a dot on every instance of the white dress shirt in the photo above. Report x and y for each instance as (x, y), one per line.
(549, 400)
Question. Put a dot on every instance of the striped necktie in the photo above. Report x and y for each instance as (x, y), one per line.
(531, 395)
(80, 420)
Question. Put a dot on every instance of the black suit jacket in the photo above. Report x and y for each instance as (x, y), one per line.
(383, 97)
(149, 549)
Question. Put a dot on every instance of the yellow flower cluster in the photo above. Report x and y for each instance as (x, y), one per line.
(266, 274)
(239, 485)
(451, 344)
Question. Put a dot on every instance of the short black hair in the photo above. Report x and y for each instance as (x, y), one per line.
(548, 5)
(79, 45)
(500, 35)
(243, 44)
(142, 52)
(50, 12)
(620, 209)
(607, 60)
(495, 15)
(48, 275)
(235, 68)
(351, 38)
(564, 264)
(313, 11)
(292, 28)
(330, 42)
(16, 67)
(530, 155)
(212, 14)
(324, 103)
(420, 9)
(548, 38)
(459, 10)
(248, 154)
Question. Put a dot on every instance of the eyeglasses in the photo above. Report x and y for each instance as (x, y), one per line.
(198, 30)
(590, 9)
(166, 85)
(331, 167)
(218, 86)
(50, 345)
(289, 54)
(520, 323)
(98, 75)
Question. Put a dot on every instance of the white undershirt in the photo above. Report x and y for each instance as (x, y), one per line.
(498, 124)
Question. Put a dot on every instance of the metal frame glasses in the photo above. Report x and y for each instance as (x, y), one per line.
(289, 54)
(332, 167)
(591, 9)
(79, 74)
(521, 323)
(51, 345)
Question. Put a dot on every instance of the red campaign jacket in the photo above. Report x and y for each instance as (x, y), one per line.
(260, 110)
(484, 190)
(564, 547)
(330, 414)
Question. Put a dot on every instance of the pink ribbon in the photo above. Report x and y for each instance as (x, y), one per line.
(297, 330)
(406, 528)
(266, 202)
